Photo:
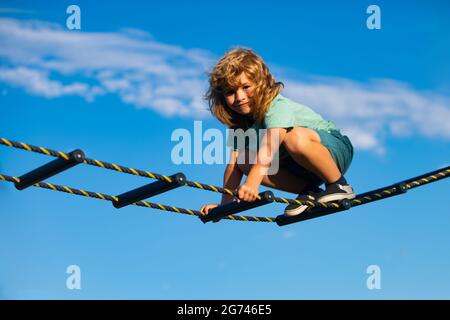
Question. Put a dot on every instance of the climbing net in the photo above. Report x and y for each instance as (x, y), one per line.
(165, 183)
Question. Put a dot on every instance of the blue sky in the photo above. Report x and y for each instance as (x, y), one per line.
(135, 72)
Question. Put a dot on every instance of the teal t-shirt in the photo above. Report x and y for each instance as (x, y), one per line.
(285, 113)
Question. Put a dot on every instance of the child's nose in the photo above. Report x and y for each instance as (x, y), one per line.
(240, 94)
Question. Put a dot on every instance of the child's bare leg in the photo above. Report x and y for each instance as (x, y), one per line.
(304, 146)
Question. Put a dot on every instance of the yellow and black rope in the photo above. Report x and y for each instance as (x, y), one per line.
(146, 204)
(364, 198)
(148, 174)
(412, 183)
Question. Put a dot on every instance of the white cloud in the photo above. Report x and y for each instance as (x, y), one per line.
(370, 112)
(47, 60)
(15, 10)
(37, 82)
(40, 58)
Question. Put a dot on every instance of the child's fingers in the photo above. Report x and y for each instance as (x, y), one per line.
(241, 194)
(248, 196)
(205, 209)
(237, 195)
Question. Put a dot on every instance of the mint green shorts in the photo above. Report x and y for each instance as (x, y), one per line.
(341, 151)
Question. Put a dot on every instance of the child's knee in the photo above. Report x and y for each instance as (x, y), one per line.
(299, 139)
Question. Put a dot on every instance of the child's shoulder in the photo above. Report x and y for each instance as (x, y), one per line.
(281, 103)
(280, 108)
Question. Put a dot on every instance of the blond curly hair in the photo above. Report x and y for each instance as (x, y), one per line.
(224, 76)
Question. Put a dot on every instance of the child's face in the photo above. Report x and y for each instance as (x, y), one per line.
(239, 99)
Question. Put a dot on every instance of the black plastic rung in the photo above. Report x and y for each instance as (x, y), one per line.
(150, 190)
(312, 213)
(235, 207)
(400, 188)
(50, 169)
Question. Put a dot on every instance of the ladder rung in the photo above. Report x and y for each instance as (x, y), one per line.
(149, 190)
(50, 169)
(312, 213)
(235, 207)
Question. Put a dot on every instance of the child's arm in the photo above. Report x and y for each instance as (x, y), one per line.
(231, 180)
(268, 147)
(231, 177)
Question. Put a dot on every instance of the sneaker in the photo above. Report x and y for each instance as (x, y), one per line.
(335, 192)
(295, 209)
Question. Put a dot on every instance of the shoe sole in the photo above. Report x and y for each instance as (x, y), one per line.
(296, 211)
(337, 197)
